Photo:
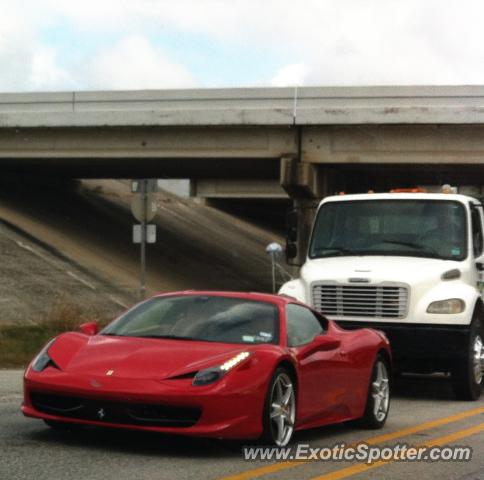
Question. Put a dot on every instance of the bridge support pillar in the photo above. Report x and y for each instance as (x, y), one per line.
(306, 184)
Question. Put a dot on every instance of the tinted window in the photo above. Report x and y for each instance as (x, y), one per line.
(302, 325)
(422, 228)
(200, 317)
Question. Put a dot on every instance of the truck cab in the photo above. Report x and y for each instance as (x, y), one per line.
(410, 265)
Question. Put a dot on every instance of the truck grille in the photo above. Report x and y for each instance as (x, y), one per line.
(379, 301)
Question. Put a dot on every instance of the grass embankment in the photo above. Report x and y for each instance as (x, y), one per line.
(19, 343)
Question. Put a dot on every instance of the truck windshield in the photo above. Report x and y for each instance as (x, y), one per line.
(418, 228)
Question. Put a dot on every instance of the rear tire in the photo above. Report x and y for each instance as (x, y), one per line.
(279, 416)
(379, 393)
(467, 377)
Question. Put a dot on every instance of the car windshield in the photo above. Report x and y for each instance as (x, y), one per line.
(202, 318)
(419, 228)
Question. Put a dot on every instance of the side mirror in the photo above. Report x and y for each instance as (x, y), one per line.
(291, 251)
(321, 343)
(291, 226)
(89, 328)
(480, 266)
(325, 343)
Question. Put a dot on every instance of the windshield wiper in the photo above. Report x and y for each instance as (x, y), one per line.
(416, 246)
(323, 251)
(167, 337)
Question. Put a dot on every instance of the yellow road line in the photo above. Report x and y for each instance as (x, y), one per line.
(363, 467)
(276, 467)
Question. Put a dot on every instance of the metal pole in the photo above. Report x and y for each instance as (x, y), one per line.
(273, 261)
(142, 290)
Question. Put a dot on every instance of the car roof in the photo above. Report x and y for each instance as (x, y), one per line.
(254, 296)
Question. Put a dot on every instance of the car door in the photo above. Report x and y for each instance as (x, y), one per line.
(320, 364)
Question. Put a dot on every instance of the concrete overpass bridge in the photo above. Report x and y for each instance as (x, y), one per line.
(263, 143)
(426, 134)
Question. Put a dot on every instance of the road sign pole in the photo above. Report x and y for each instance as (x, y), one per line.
(142, 290)
(143, 206)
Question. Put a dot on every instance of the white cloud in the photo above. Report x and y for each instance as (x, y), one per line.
(322, 42)
(134, 63)
(291, 75)
(29, 63)
(15, 51)
(339, 41)
(26, 63)
(46, 74)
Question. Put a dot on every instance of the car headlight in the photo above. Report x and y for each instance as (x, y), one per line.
(212, 374)
(42, 360)
(449, 306)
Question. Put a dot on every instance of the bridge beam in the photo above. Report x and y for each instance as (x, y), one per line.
(393, 144)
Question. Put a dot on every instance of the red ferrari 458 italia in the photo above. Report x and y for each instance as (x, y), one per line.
(213, 364)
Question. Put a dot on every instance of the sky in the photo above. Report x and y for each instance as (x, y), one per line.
(52, 45)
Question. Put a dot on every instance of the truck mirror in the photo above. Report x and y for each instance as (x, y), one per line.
(291, 226)
(291, 251)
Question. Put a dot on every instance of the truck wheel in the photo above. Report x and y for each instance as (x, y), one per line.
(378, 401)
(467, 378)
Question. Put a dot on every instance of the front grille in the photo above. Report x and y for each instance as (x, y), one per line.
(115, 412)
(368, 301)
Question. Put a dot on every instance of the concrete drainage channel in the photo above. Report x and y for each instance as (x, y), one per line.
(42, 278)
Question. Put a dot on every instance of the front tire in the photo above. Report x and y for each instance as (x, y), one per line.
(279, 414)
(467, 378)
(379, 393)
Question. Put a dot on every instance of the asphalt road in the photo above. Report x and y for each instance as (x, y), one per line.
(30, 450)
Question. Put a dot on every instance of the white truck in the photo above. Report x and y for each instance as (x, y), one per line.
(410, 265)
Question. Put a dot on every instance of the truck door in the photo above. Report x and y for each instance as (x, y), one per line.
(477, 225)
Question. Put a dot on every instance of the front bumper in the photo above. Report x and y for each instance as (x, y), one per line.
(421, 348)
(213, 411)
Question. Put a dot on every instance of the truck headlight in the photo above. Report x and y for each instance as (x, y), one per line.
(449, 306)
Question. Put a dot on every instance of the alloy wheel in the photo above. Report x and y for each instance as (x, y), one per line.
(478, 359)
(380, 391)
(282, 410)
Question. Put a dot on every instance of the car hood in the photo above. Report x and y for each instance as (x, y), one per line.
(131, 357)
(375, 269)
